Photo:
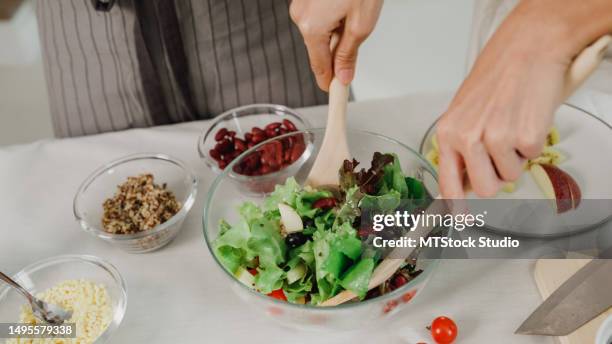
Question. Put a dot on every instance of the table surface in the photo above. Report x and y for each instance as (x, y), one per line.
(177, 294)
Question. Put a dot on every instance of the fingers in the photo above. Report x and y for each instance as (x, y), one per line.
(316, 31)
(320, 59)
(451, 172)
(345, 57)
(481, 171)
(317, 20)
(501, 148)
(358, 26)
(530, 145)
(462, 150)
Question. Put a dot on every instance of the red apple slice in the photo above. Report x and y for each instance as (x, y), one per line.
(555, 185)
(575, 189)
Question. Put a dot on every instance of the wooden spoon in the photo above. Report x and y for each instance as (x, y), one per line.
(580, 69)
(334, 149)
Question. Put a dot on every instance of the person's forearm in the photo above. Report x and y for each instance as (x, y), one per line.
(573, 23)
(505, 107)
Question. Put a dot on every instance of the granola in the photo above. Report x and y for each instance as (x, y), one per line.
(138, 205)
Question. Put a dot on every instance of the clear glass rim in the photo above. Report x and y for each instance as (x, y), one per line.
(187, 203)
(118, 312)
(204, 136)
(391, 295)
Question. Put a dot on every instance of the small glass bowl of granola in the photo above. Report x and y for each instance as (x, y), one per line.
(138, 202)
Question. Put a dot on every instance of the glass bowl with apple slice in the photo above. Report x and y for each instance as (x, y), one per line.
(566, 190)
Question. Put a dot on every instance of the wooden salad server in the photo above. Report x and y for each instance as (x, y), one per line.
(334, 149)
(579, 70)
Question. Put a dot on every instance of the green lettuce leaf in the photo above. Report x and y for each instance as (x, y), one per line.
(325, 277)
(269, 279)
(303, 253)
(224, 227)
(231, 245)
(349, 246)
(345, 229)
(349, 210)
(305, 199)
(230, 257)
(299, 289)
(267, 243)
(394, 178)
(236, 236)
(381, 204)
(286, 193)
(334, 264)
(324, 221)
(250, 211)
(358, 277)
(416, 187)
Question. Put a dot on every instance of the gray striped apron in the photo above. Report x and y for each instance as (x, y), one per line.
(153, 62)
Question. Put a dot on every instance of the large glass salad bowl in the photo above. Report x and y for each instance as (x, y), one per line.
(228, 202)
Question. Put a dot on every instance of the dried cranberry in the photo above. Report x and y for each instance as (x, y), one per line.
(224, 146)
(257, 138)
(220, 135)
(265, 169)
(271, 133)
(270, 158)
(239, 145)
(298, 139)
(239, 169)
(324, 203)
(233, 155)
(296, 152)
(266, 158)
(289, 125)
(214, 154)
(273, 125)
(277, 151)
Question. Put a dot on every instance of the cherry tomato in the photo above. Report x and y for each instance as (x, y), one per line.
(278, 294)
(252, 271)
(443, 330)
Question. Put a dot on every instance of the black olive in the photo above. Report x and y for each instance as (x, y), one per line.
(308, 222)
(294, 240)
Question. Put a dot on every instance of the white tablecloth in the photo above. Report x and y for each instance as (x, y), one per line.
(178, 295)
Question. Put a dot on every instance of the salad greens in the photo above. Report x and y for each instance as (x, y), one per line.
(326, 253)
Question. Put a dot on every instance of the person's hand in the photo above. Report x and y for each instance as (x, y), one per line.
(354, 20)
(505, 107)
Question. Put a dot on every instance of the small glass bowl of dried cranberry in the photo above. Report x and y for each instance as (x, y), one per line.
(237, 130)
(267, 164)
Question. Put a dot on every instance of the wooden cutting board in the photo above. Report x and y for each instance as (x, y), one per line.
(549, 275)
